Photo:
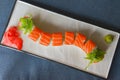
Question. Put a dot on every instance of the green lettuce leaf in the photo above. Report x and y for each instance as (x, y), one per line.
(26, 24)
(96, 55)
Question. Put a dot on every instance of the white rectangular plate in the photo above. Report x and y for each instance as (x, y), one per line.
(70, 55)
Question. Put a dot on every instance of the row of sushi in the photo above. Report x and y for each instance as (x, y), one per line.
(93, 53)
(57, 39)
(34, 33)
(26, 25)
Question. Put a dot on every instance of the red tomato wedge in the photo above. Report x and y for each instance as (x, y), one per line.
(12, 38)
(79, 40)
(35, 34)
(57, 39)
(45, 39)
(89, 46)
(69, 38)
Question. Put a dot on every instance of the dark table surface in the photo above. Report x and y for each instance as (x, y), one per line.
(20, 66)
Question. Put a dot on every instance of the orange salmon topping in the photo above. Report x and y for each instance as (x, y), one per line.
(45, 39)
(57, 39)
(69, 38)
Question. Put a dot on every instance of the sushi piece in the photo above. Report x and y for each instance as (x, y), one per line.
(57, 39)
(89, 46)
(35, 34)
(80, 40)
(12, 38)
(69, 38)
(45, 38)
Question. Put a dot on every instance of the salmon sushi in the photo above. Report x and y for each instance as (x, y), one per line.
(45, 38)
(35, 34)
(89, 46)
(80, 40)
(69, 38)
(57, 39)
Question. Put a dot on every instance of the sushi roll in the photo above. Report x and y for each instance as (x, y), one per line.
(93, 53)
(89, 46)
(45, 38)
(35, 34)
(69, 38)
(57, 39)
(80, 40)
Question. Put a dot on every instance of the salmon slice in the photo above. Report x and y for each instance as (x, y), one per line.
(35, 34)
(80, 40)
(45, 38)
(69, 38)
(89, 46)
(57, 39)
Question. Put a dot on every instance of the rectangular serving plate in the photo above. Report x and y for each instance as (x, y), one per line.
(69, 55)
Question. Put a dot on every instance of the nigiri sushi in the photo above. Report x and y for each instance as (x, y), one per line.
(93, 53)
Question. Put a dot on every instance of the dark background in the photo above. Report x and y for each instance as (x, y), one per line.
(20, 66)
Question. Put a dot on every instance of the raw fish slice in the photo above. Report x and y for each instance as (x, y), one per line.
(57, 39)
(45, 39)
(69, 38)
(89, 46)
(80, 40)
(35, 34)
